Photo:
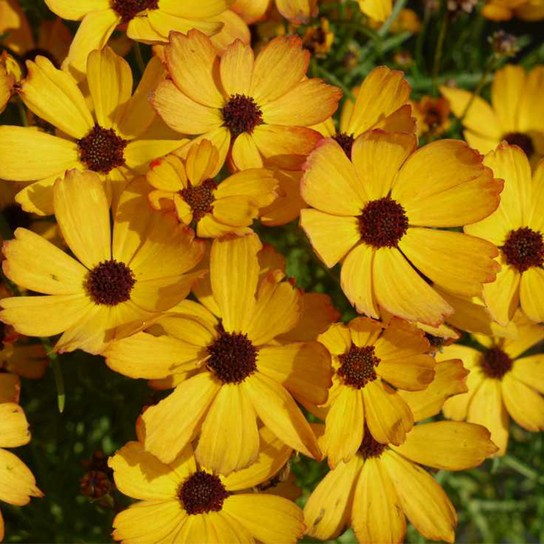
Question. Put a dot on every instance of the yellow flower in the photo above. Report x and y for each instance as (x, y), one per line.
(432, 115)
(382, 101)
(258, 109)
(502, 383)
(369, 358)
(516, 113)
(147, 21)
(318, 38)
(374, 214)
(115, 283)
(297, 11)
(384, 484)
(517, 228)
(183, 502)
(109, 138)
(379, 10)
(504, 10)
(188, 188)
(17, 484)
(236, 371)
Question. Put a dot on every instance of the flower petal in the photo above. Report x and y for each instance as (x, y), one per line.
(531, 294)
(140, 153)
(66, 9)
(530, 371)
(506, 91)
(237, 69)
(502, 296)
(245, 153)
(523, 403)
(17, 484)
(13, 426)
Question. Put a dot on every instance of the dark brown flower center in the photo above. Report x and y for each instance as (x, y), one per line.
(202, 493)
(357, 366)
(370, 447)
(232, 357)
(495, 363)
(200, 198)
(345, 141)
(383, 223)
(521, 140)
(128, 9)
(102, 150)
(524, 248)
(241, 114)
(110, 283)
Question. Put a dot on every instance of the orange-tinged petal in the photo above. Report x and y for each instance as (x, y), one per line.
(202, 162)
(10, 384)
(401, 291)
(400, 340)
(168, 174)
(13, 426)
(229, 440)
(330, 183)
(506, 90)
(17, 484)
(197, 52)
(278, 411)
(79, 196)
(530, 371)
(377, 514)
(36, 264)
(523, 403)
(531, 294)
(234, 28)
(237, 69)
(502, 296)
(251, 10)
(378, 156)
(246, 153)
(440, 254)
(411, 373)
(187, 406)
(447, 445)
(337, 339)
(423, 500)
(280, 66)
(297, 11)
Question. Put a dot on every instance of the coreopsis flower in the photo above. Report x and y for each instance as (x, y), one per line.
(379, 10)
(147, 21)
(504, 10)
(432, 115)
(502, 382)
(187, 187)
(318, 38)
(113, 283)
(108, 137)
(236, 371)
(185, 502)
(382, 101)
(10, 74)
(297, 11)
(17, 483)
(258, 109)
(516, 112)
(370, 361)
(517, 228)
(381, 214)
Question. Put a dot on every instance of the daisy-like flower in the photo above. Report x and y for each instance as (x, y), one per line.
(516, 113)
(432, 115)
(107, 138)
(517, 228)
(297, 11)
(382, 101)
(114, 283)
(17, 483)
(384, 484)
(188, 188)
(502, 382)
(147, 21)
(236, 371)
(185, 502)
(381, 214)
(368, 358)
(259, 109)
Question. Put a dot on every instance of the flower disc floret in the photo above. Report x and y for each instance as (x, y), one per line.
(496, 363)
(233, 357)
(202, 493)
(102, 150)
(200, 198)
(345, 141)
(357, 366)
(383, 223)
(110, 283)
(369, 447)
(242, 114)
(521, 140)
(128, 9)
(524, 249)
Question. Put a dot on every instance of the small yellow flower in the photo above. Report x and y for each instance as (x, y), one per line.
(432, 115)
(504, 10)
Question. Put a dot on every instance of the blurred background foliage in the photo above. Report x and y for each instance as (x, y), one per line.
(501, 501)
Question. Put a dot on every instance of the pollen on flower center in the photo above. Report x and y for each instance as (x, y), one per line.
(383, 223)
(200, 198)
(110, 283)
(357, 366)
(345, 141)
(128, 9)
(241, 114)
(495, 363)
(232, 357)
(524, 248)
(370, 447)
(202, 493)
(102, 150)
(521, 140)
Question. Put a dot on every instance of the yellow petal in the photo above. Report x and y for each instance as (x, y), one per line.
(399, 340)
(17, 484)
(186, 406)
(529, 370)
(202, 162)
(74, 12)
(13, 426)
(422, 499)
(523, 403)
(79, 196)
(502, 296)
(234, 28)
(337, 339)
(245, 153)
(237, 69)
(163, 23)
(139, 153)
(529, 334)
(297, 11)
(529, 97)
(377, 513)
(535, 219)
(531, 294)
(506, 90)
(412, 373)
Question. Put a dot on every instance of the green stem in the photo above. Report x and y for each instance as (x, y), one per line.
(439, 48)
(398, 7)
(335, 81)
(479, 87)
(522, 468)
